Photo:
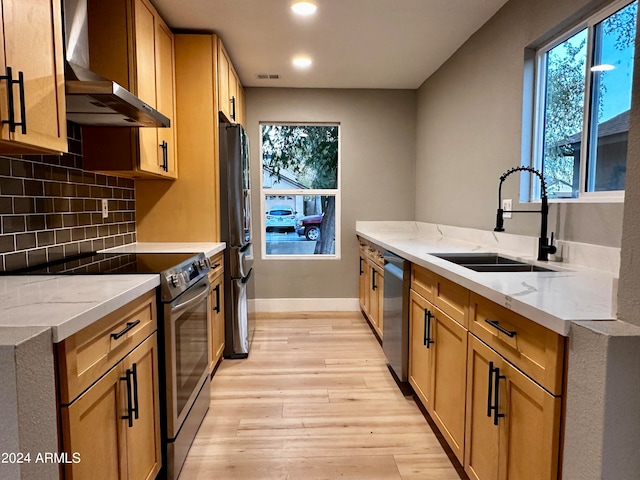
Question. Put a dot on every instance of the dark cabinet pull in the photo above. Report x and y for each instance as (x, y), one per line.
(134, 375)
(233, 108)
(11, 101)
(427, 328)
(129, 415)
(129, 326)
(495, 324)
(494, 384)
(361, 270)
(217, 290)
(165, 156)
(23, 108)
(373, 280)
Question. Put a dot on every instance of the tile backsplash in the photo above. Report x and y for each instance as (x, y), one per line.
(51, 208)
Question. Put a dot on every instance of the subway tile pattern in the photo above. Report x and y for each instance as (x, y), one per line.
(51, 208)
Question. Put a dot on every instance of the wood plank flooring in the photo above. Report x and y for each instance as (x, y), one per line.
(314, 400)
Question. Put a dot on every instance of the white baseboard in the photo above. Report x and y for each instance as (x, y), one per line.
(304, 305)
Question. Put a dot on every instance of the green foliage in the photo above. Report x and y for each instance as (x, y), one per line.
(310, 152)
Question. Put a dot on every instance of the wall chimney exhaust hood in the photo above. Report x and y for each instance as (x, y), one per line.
(93, 100)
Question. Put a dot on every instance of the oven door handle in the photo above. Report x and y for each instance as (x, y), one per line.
(191, 301)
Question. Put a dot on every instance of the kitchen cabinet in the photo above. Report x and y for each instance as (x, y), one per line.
(216, 311)
(131, 44)
(32, 101)
(512, 424)
(230, 91)
(371, 287)
(437, 367)
(109, 396)
(193, 199)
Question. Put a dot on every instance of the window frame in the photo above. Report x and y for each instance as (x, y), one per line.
(539, 92)
(264, 192)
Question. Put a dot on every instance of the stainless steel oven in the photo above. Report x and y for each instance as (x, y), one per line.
(186, 331)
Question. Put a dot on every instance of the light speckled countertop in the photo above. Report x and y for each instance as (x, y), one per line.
(208, 248)
(67, 303)
(552, 299)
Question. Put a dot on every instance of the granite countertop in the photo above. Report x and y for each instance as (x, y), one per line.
(552, 299)
(208, 248)
(66, 303)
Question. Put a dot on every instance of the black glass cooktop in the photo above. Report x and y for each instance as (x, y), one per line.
(111, 263)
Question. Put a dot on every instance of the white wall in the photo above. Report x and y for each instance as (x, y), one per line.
(377, 155)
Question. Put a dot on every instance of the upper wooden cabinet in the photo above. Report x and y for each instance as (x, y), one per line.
(32, 101)
(132, 45)
(230, 91)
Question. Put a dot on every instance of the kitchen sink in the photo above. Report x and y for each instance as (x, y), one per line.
(490, 262)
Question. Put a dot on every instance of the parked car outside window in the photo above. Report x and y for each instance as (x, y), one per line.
(281, 219)
(309, 226)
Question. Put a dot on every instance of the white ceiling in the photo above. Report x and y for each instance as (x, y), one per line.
(353, 43)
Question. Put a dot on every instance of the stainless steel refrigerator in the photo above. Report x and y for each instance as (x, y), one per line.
(235, 230)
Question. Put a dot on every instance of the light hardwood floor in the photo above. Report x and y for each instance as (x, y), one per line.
(314, 400)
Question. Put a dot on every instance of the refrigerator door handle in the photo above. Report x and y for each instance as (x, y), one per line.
(246, 279)
(245, 247)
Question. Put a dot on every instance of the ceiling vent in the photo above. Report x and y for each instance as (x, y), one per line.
(268, 76)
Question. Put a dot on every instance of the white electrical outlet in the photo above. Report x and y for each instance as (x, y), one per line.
(507, 205)
(105, 208)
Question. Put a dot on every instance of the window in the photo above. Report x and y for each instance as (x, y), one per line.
(300, 191)
(583, 104)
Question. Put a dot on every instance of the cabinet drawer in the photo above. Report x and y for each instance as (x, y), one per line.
(534, 349)
(85, 356)
(423, 281)
(450, 297)
(217, 266)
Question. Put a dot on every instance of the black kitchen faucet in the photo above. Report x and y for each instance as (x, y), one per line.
(544, 246)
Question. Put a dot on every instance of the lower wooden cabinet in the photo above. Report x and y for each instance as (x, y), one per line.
(216, 312)
(109, 395)
(371, 287)
(114, 427)
(512, 423)
(437, 368)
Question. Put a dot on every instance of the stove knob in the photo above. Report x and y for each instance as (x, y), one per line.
(202, 264)
(175, 280)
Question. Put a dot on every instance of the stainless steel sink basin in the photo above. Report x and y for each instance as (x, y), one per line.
(489, 262)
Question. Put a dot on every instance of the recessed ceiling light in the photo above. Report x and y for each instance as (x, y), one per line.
(304, 8)
(301, 62)
(605, 67)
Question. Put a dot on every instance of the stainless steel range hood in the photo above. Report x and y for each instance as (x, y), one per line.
(92, 99)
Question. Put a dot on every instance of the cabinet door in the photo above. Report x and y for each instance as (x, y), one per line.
(525, 441)
(363, 283)
(240, 104)
(223, 82)
(28, 27)
(216, 310)
(482, 436)
(529, 433)
(143, 436)
(420, 348)
(165, 89)
(144, 35)
(374, 299)
(449, 369)
(92, 427)
(380, 299)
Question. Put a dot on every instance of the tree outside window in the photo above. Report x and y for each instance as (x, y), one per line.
(300, 189)
(583, 119)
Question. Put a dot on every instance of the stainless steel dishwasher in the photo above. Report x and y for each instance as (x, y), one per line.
(395, 326)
